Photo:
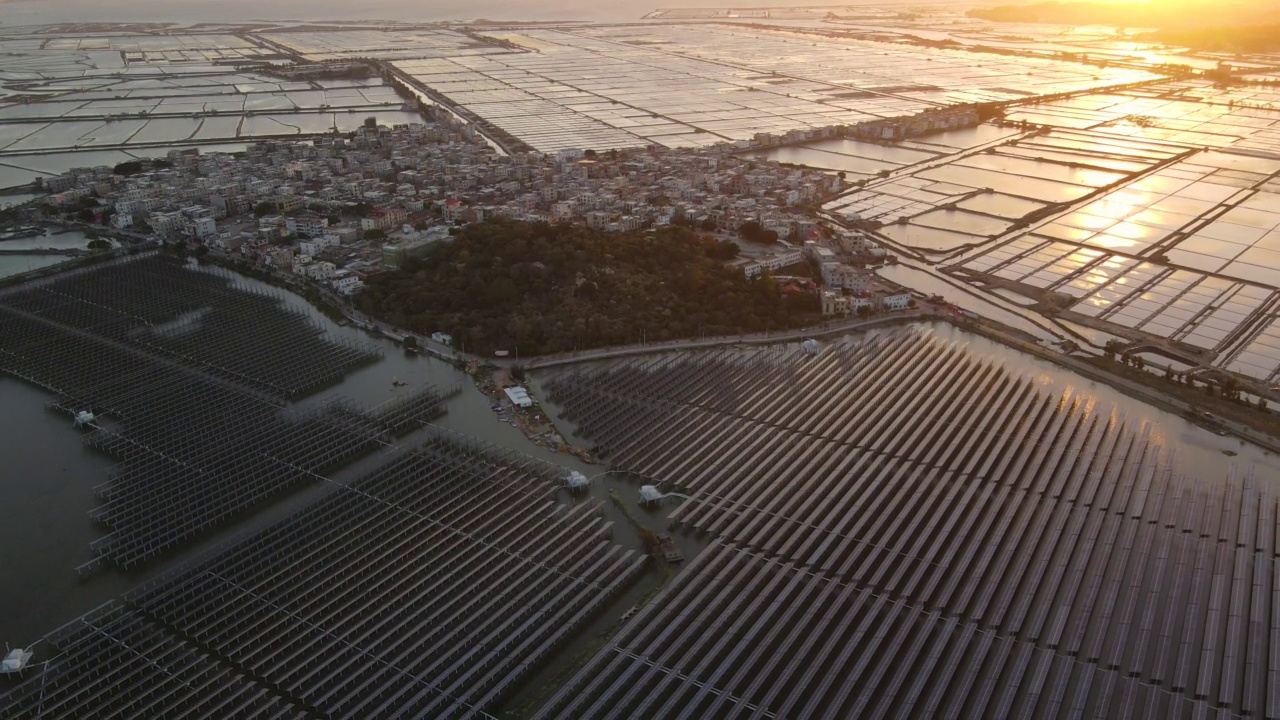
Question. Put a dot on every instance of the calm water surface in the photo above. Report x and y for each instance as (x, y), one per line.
(16, 264)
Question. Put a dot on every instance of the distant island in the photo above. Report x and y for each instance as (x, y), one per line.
(539, 288)
(1250, 26)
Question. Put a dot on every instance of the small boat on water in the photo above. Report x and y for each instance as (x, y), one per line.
(670, 551)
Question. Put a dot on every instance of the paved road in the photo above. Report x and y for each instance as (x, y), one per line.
(544, 361)
(817, 331)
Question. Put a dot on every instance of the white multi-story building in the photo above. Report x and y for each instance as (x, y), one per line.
(320, 271)
(834, 303)
(204, 227)
(895, 301)
(840, 276)
(309, 225)
(383, 218)
(287, 203)
(771, 263)
(317, 245)
(59, 183)
(142, 204)
(166, 223)
(597, 220)
(818, 253)
(345, 282)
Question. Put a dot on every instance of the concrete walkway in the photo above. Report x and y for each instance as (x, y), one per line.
(817, 331)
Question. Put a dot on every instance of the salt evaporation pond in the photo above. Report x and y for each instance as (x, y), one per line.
(11, 177)
(215, 128)
(166, 130)
(961, 221)
(17, 198)
(117, 132)
(1005, 206)
(826, 161)
(1043, 170)
(11, 133)
(928, 239)
(964, 138)
(1017, 185)
(961, 296)
(58, 135)
(17, 264)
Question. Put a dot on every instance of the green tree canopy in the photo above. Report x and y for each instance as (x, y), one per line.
(129, 167)
(501, 285)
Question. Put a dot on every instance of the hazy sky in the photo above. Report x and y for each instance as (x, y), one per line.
(28, 12)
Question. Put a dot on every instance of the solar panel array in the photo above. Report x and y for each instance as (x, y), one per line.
(905, 528)
(427, 588)
(188, 375)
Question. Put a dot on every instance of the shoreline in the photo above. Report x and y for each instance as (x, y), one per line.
(990, 329)
(1134, 388)
(1144, 390)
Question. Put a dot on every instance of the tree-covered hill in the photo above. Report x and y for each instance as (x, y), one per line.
(540, 289)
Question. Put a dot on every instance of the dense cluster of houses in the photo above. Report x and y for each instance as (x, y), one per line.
(335, 208)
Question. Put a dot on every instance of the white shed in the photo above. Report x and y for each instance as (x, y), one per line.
(650, 494)
(518, 396)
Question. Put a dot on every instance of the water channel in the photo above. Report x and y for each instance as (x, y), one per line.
(19, 263)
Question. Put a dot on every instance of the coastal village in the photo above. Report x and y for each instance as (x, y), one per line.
(337, 208)
(717, 458)
(330, 212)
